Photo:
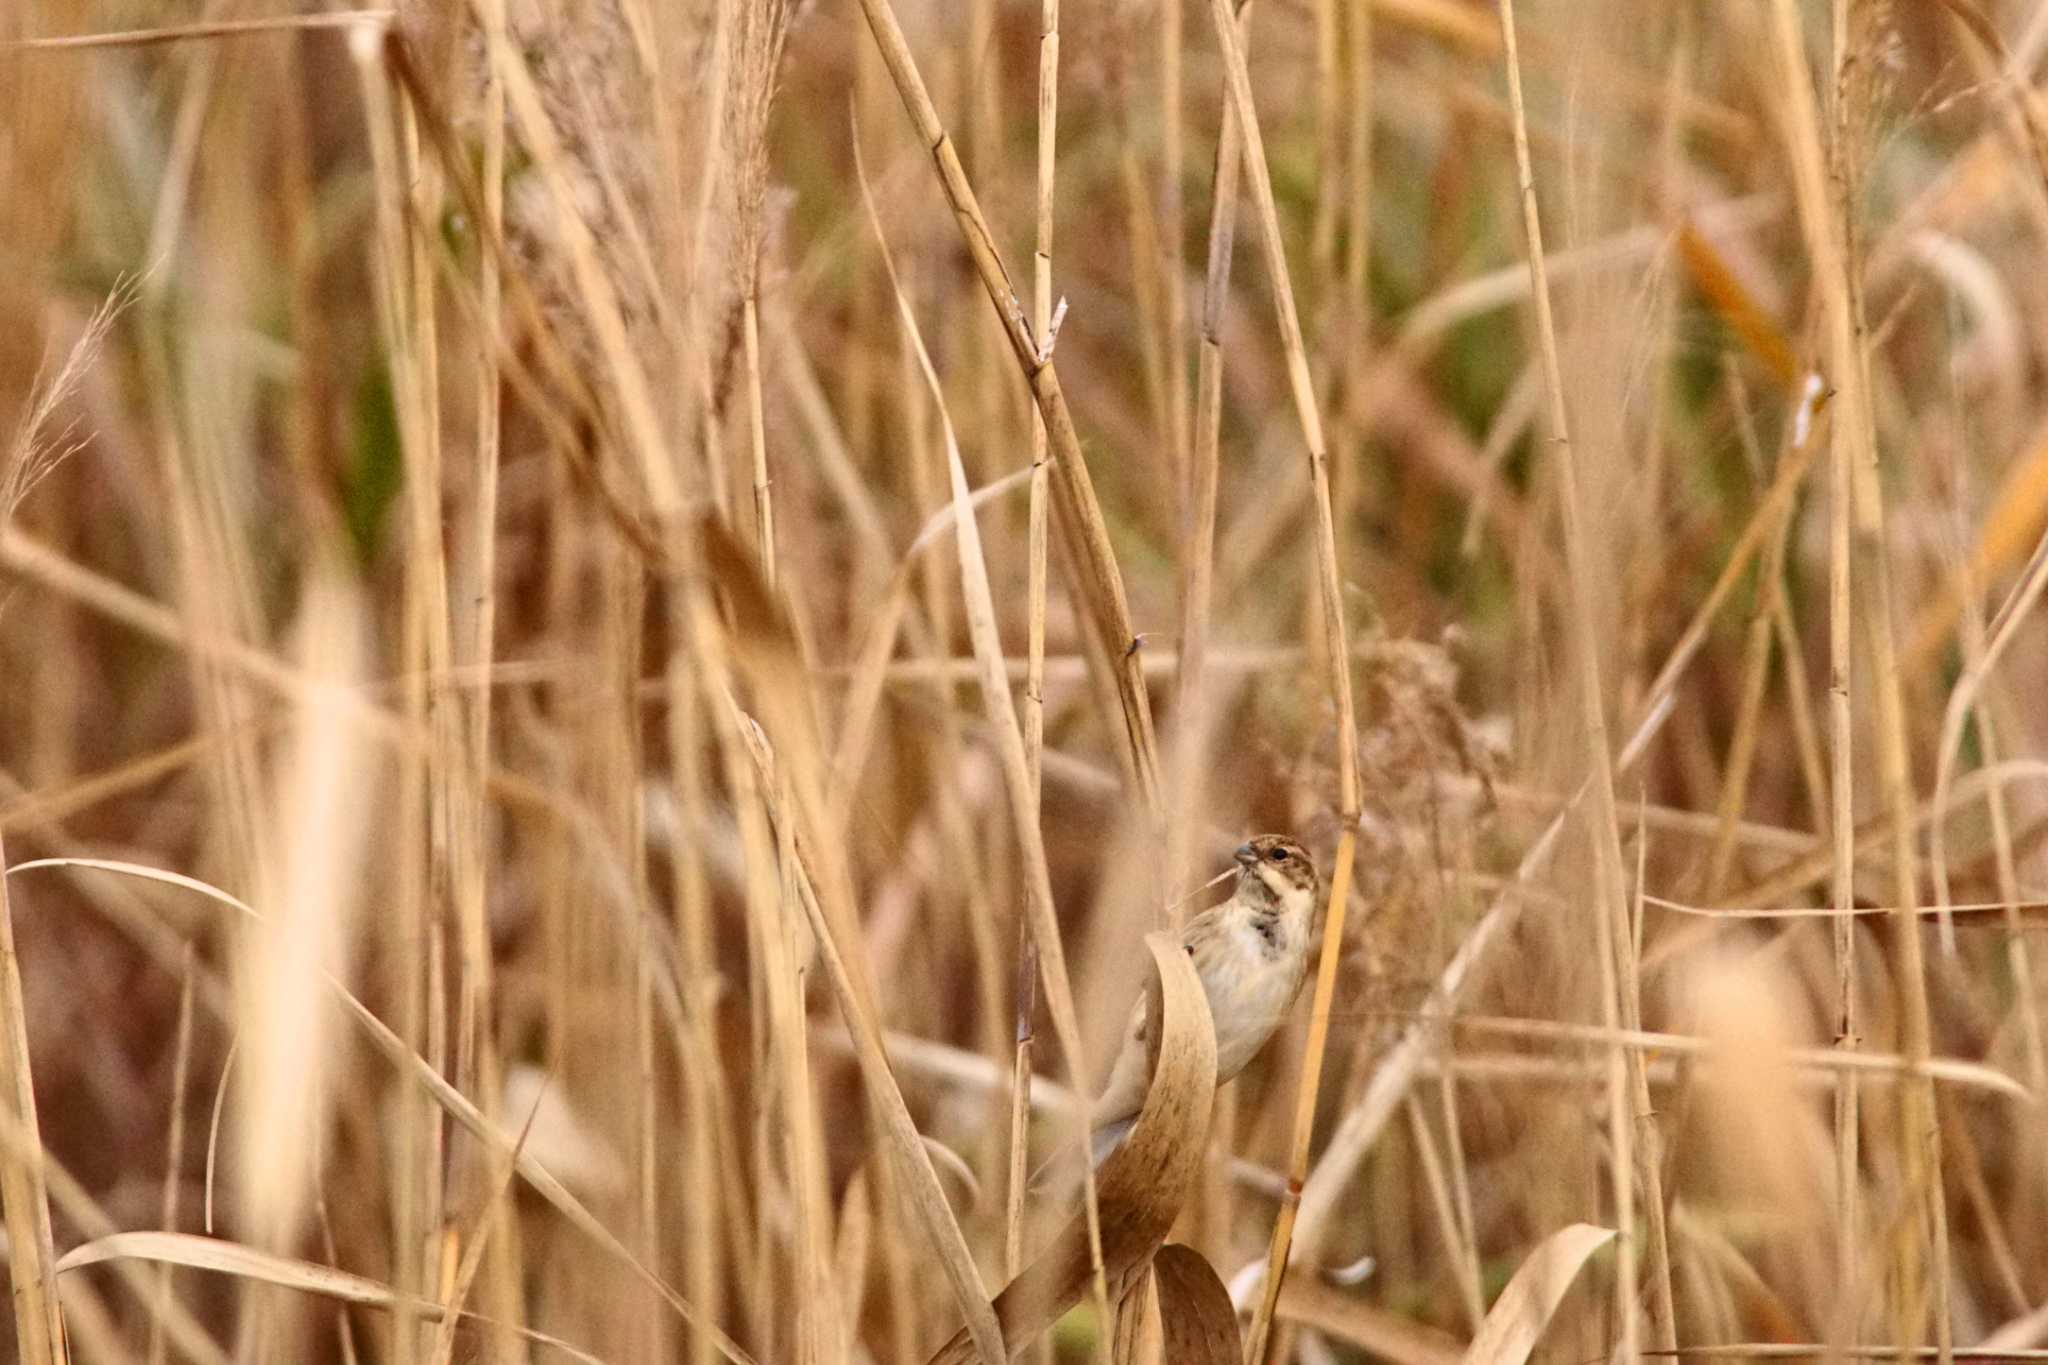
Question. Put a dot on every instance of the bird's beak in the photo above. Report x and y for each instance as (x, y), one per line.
(1245, 856)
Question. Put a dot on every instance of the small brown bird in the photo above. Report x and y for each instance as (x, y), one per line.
(1251, 953)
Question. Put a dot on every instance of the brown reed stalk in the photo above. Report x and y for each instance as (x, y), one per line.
(174, 1158)
(1611, 910)
(416, 1208)
(763, 30)
(1194, 710)
(1034, 669)
(1172, 250)
(1302, 388)
(1197, 560)
(24, 1200)
(1858, 554)
(1330, 133)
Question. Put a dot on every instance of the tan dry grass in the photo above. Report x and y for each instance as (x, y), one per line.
(558, 330)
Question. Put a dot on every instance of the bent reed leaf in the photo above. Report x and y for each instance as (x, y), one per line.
(1145, 1182)
(1524, 1308)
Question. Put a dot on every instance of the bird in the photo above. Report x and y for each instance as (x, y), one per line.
(1251, 953)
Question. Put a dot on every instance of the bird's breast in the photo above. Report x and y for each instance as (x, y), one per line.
(1250, 987)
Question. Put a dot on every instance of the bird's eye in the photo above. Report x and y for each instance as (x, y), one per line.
(1278, 855)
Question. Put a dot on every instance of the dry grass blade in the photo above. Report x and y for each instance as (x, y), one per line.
(248, 1263)
(1145, 1182)
(1524, 1308)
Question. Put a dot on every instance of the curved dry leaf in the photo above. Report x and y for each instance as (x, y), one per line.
(247, 1263)
(1144, 1182)
(1196, 1319)
(1523, 1309)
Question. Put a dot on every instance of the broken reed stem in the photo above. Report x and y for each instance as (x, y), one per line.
(1098, 584)
(1618, 965)
(1302, 388)
(1034, 668)
(31, 1256)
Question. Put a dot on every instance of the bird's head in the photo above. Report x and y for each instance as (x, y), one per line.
(1273, 868)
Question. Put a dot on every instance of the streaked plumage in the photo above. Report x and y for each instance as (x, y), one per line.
(1251, 953)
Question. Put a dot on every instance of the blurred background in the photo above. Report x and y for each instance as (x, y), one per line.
(434, 440)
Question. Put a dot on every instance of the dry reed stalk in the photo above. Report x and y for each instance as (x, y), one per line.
(1860, 584)
(1356, 311)
(347, 20)
(705, 1103)
(771, 907)
(174, 1159)
(1142, 241)
(25, 1202)
(20, 1146)
(477, 1063)
(1623, 997)
(1194, 710)
(1197, 559)
(763, 30)
(1026, 1010)
(1339, 652)
(1098, 584)
(1949, 1070)
(1172, 250)
(1461, 1181)
(1329, 94)
(415, 1210)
